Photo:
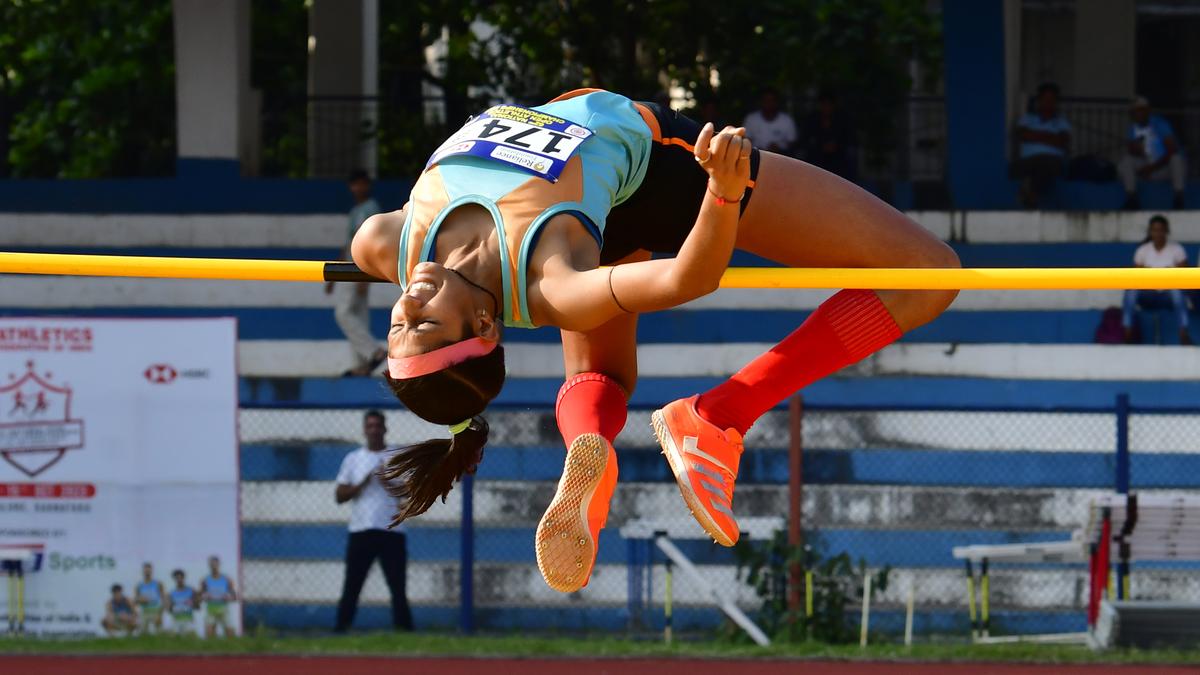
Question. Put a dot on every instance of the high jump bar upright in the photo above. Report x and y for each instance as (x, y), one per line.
(1023, 278)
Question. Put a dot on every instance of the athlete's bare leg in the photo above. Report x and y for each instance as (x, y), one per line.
(803, 216)
(610, 349)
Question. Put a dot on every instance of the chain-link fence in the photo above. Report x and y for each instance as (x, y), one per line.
(894, 488)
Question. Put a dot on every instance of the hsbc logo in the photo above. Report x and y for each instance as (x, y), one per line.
(165, 373)
(160, 373)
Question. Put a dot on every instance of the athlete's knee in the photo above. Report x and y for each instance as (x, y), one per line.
(625, 380)
(937, 254)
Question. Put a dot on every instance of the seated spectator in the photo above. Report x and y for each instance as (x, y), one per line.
(119, 614)
(1158, 251)
(1043, 136)
(828, 137)
(1153, 153)
(769, 128)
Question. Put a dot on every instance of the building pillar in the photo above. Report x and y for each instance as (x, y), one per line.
(342, 81)
(1012, 60)
(975, 104)
(212, 86)
(1105, 43)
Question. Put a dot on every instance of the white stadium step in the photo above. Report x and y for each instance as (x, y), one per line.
(43, 292)
(328, 229)
(322, 358)
(520, 504)
(971, 431)
(174, 230)
(521, 584)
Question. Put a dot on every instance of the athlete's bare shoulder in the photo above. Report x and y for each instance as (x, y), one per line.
(376, 245)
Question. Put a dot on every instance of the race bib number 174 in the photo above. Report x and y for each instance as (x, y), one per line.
(527, 139)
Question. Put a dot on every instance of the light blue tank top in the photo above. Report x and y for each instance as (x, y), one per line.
(217, 588)
(182, 599)
(605, 170)
(150, 589)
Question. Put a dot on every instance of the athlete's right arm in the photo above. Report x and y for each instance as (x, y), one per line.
(376, 245)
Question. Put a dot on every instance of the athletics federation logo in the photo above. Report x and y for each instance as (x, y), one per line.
(36, 428)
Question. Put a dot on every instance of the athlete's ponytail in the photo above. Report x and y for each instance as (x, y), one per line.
(418, 474)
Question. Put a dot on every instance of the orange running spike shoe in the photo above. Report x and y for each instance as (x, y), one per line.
(569, 535)
(704, 460)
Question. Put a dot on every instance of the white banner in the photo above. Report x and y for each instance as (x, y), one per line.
(118, 447)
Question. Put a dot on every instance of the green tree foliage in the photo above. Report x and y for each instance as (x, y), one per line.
(861, 49)
(538, 49)
(86, 88)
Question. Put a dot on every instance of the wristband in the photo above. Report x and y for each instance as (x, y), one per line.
(721, 201)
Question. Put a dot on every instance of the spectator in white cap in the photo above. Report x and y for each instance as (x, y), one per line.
(1153, 153)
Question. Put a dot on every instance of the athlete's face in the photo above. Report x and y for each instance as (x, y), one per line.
(436, 309)
(147, 571)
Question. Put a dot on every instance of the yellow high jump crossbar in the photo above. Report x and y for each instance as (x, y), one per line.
(1046, 278)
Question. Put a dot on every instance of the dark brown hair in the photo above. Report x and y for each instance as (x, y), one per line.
(418, 474)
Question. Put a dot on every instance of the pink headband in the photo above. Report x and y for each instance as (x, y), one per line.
(438, 359)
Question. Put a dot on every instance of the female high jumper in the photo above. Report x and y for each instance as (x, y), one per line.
(510, 223)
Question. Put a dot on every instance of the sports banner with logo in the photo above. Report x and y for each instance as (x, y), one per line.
(118, 447)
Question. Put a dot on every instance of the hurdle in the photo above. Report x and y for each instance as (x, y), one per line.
(1071, 551)
(1122, 529)
(661, 533)
(1013, 279)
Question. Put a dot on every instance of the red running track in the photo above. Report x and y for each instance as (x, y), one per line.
(357, 665)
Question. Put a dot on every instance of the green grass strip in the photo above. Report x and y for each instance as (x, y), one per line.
(441, 644)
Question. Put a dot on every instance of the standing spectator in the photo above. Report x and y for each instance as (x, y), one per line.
(769, 127)
(119, 613)
(1044, 136)
(1153, 154)
(1158, 251)
(370, 537)
(181, 603)
(351, 305)
(148, 596)
(217, 591)
(828, 137)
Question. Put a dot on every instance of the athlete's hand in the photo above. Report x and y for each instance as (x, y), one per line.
(725, 156)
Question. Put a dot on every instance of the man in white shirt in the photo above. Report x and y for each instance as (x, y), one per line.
(769, 128)
(1158, 251)
(371, 512)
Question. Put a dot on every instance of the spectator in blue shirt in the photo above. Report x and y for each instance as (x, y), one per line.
(1153, 154)
(1044, 136)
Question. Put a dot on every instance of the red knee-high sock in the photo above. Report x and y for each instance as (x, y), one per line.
(590, 403)
(843, 330)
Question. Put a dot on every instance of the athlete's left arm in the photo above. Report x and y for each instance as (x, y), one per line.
(584, 300)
